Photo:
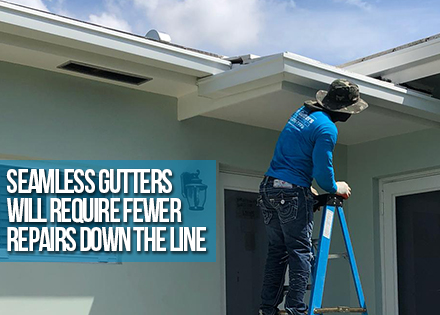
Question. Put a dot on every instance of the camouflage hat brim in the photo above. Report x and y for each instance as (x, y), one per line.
(313, 105)
(354, 108)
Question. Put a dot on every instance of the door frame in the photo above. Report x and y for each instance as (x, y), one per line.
(235, 180)
(390, 188)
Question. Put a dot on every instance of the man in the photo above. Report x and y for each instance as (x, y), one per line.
(304, 152)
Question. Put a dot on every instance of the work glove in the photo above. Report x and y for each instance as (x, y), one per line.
(343, 189)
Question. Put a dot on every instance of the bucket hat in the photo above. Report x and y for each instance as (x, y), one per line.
(342, 97)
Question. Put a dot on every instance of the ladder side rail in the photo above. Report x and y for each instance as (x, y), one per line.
(351, 258)
(321, 260)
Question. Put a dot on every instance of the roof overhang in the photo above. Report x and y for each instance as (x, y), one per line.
(262, 92)
(291, 79)
(413, 61)
(44, 40)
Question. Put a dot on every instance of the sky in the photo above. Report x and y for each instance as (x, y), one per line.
(331, 31)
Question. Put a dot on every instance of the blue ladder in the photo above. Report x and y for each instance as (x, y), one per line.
(332, 204)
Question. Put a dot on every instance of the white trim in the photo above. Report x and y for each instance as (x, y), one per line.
(47, 27)
(237, 181)
(398, 60)
(261, 72)
(305, 76)
(390, 188)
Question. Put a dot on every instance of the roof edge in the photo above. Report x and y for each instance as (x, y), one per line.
(48, 17)
(389, 51)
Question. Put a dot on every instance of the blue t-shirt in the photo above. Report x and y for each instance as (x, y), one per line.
(305, 150)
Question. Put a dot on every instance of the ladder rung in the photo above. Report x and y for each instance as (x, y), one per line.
(337, 256)
(339, 309)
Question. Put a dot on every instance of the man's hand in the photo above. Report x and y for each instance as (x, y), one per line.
(343, 190)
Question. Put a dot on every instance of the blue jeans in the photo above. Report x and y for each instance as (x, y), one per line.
(288, 216)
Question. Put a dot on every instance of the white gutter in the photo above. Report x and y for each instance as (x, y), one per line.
(43, 26)
(402, 64)
(302, 75)
(261, 72)
(376, 92)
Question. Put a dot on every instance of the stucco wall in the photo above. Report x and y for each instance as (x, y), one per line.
(367, 163)
(55, 116)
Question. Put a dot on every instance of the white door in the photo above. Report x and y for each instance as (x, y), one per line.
(410, 234)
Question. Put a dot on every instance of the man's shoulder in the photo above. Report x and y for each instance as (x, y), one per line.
(322, 119)
(324, 125)
(317, 121)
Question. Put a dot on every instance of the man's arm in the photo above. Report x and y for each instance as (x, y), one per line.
(323, 158)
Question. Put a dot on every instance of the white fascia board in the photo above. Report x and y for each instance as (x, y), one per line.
(262, 72)
(39, 25)
(308, 74)
(305, 71)
(413, 71)
(397, 60)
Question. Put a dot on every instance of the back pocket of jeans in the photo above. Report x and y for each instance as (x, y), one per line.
(267, 214)
(288, 209)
